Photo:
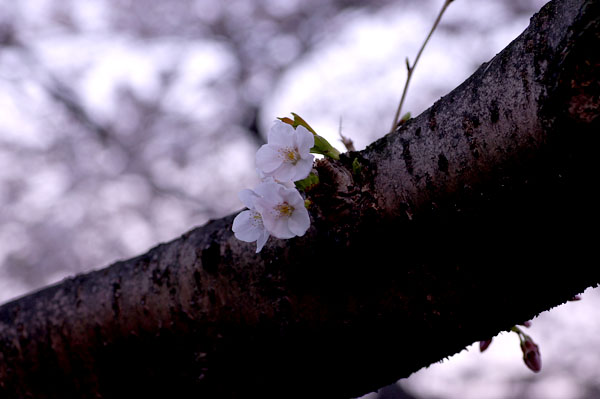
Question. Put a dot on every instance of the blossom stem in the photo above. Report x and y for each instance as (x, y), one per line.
(517, 330)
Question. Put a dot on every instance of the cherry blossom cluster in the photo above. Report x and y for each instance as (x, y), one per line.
(275, 206)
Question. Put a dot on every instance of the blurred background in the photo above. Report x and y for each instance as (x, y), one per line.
(126, 123)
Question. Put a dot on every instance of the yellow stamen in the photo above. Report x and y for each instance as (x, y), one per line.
(284, 209)
(290, 155)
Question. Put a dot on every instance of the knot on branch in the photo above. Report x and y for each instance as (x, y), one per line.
(343, 199)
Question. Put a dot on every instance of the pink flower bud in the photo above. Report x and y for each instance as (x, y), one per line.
(531, 354)
(527, 323)
(483, 345)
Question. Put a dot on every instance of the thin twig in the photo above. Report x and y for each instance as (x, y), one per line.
(410, 68)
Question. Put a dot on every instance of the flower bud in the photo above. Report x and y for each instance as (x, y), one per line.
(483, 345)
(531, 354)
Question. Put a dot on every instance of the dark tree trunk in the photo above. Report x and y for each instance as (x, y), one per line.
(476, 215)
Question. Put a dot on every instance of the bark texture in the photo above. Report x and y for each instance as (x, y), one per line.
(476, 215)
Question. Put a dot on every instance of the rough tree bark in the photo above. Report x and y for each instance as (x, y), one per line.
(474, 216)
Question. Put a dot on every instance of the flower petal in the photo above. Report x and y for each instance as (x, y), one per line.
(244, 227)
(268, 158)
(305, 140)
(286, 172)
(292, 197)
(302, 168)
(281, 135)
(247, 197)
(262, 240)
(268, 190)
(299, 222)
(266, 209)
(279, 228)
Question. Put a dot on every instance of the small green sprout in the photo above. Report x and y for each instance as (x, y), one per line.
(356, 166)
(308, 182)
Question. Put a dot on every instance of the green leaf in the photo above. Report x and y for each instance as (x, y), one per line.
(298, 121)
(321, 146)
(308, 182)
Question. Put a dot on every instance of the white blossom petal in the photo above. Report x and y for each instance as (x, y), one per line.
(292, 197)
(286, 172)
(262, 240)
(299, 221)
(277, 210)
(245, 228)
(269, 213)
(303, 168)
(247, 197)
(286, 156)
(281, 134)
(269, 190)
(268, 159)
(280, 228)
(305, 140)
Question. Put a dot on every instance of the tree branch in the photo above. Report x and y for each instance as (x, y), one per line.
(471, 218)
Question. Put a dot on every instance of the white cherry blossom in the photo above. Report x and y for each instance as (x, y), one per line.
(286, 156)
(264, 178)
(248, 226)
(282, 209)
